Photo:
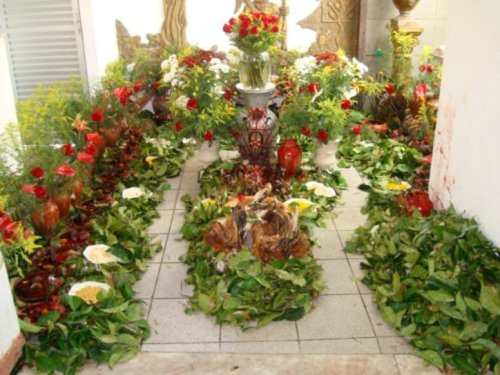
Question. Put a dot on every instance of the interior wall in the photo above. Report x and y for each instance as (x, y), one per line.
(466, 159)
(7, 102)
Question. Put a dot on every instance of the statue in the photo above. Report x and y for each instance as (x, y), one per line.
(173, 29)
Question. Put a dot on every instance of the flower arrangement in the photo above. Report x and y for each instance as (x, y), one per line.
(321, 96)
(201, 100)
(254, 33)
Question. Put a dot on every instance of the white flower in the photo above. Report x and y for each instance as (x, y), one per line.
(133, 192)
(305, 65)
(321, 189)
(189, 141)
(366, 144)
(217, 90)
(88, 290)
(220, 266)
(176, 82)
(99, 254)
(170, 63)
(352, 92)
(233, 58)
(360, 66)
(181, 101)
(169, 76)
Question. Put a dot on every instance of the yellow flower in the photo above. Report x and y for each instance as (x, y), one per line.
(208, 202)
(397, 185)
(150, 160)
(300, 203)
(88, 290)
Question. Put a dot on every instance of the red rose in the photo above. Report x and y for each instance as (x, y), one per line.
(273, 19)
(227, 95)
(254, 30)
(345, 103)
(322, 135)
(10, 231)
(122, 94)
(95, 138)
(301, 177)
(356, 129)
(40, 191)
(192, 104)
(256, 15)
(306, 131)
(245, 23)
(429, 68)
(98, 115)
(37, 172)
(178, 126)
(65, 170)
(227, 28)
(67, 149)
(275, 29)
(137, 86)
(243, 33)
(91, 149)
(85, 158)
(421, 90)
(422, 68)
(232, 21)
(208, 136)
(389, 88)
(5, 221)
(155, 85)
(313, 88)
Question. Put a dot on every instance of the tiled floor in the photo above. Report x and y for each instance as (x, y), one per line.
(345, 320)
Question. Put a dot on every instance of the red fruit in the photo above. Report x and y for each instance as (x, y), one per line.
(289, 157)
(37, 172)
(356, 129)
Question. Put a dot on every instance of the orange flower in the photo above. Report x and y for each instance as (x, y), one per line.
(81, 125)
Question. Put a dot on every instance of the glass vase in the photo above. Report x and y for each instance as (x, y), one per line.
(255, 70)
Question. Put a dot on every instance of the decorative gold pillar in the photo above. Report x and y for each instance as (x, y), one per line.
(284, 12)
(404, 38)
(173, 30)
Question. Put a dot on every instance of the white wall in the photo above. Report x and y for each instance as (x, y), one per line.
(7, 103)
(466, 158)
(9, 328)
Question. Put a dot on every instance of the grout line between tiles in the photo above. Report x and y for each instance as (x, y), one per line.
(396, 361)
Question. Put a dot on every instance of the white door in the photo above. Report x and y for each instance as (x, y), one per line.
(44, 42)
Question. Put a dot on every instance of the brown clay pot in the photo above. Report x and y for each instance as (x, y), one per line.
(111, 135)
(45, 218)
(63, 202)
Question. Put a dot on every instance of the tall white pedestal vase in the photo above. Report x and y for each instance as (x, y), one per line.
(209, 151)
(324, 157)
